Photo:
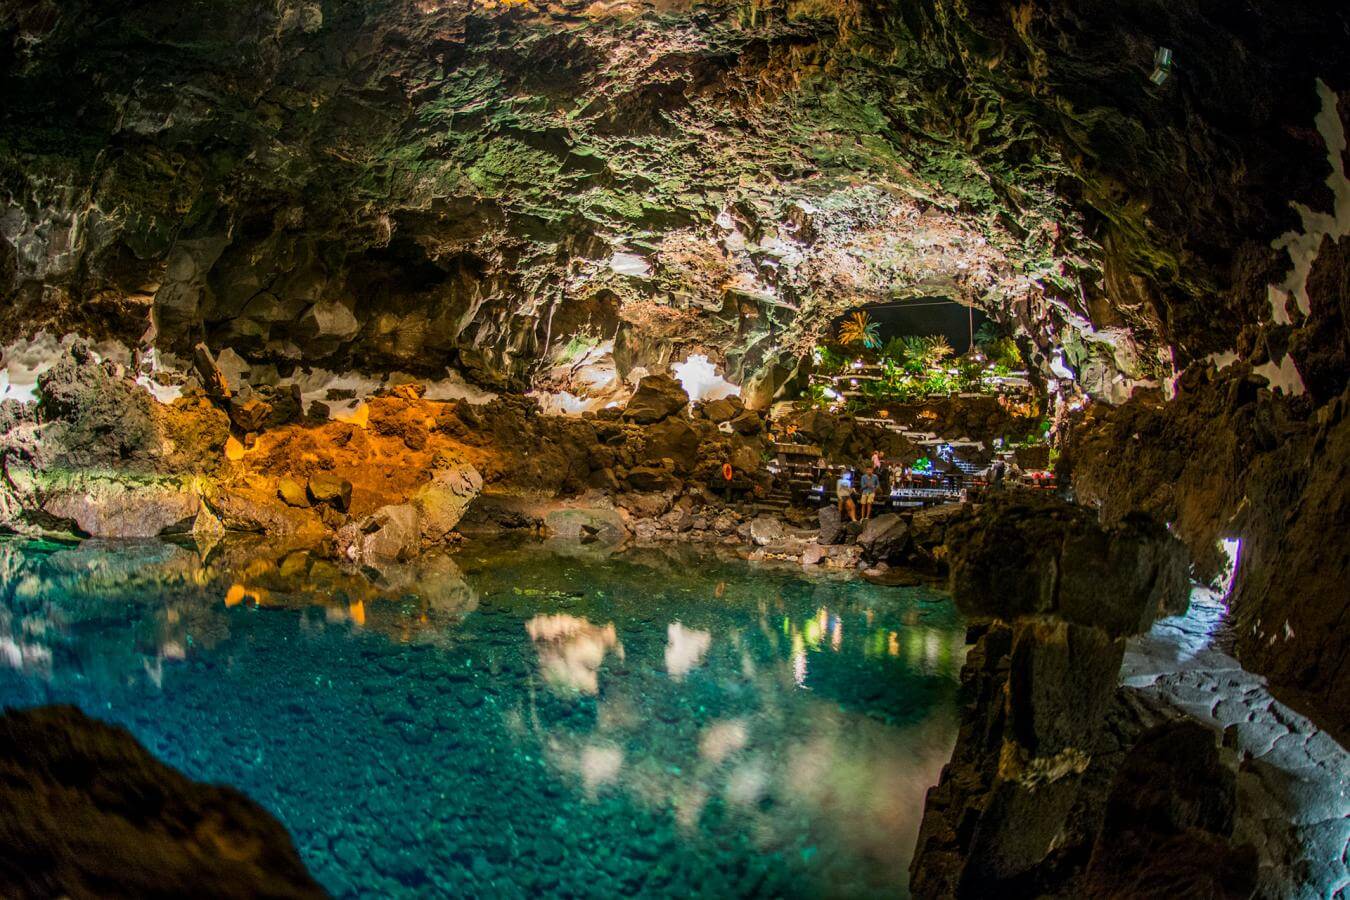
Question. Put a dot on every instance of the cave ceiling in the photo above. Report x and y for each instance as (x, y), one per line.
(417, 184)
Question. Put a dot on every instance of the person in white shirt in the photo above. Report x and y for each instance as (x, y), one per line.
(843, 489)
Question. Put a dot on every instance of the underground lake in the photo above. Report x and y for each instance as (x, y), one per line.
(514, 718)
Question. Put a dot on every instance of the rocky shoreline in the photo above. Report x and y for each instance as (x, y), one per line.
(96, 456)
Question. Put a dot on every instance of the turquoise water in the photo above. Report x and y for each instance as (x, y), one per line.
(515, 720)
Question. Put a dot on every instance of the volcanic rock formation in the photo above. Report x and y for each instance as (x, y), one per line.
(87, 812)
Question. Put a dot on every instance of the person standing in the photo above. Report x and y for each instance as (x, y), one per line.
(870, 484)
(843, 489)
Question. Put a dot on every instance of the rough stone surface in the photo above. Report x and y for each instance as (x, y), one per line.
(765, 530)
(87, 811)
(102, 507)
(442, 502)
(390, 534)
(1230, 459)
(330, 489)
(1060, 593)
(292, 492)
(884, 537)
(657, 397)
(1024, 554)
(722, 410)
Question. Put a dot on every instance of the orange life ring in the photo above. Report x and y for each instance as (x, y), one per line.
(726, 471)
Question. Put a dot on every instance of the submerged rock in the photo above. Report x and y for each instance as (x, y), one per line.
(85, 811)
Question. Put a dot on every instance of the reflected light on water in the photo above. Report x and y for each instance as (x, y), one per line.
(571, 650)
(685, 649)
(722, 739)
(605, 725)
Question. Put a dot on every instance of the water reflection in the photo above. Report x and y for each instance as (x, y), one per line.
(685, 649)
(581, 723)
(571, 650)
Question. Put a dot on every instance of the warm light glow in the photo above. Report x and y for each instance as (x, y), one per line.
(360, 417)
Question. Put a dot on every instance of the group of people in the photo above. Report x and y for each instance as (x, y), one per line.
(868, 486)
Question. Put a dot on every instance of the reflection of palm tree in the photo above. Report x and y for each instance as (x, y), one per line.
(859, 329)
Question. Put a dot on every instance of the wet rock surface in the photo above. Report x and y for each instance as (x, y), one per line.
(1028, 569)
(1291, 776)
(87, 811)
(1229, 458)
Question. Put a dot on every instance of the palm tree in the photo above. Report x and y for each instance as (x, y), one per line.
(936, 349)
(859, 329)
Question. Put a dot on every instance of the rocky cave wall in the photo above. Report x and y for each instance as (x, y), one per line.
(490, 185)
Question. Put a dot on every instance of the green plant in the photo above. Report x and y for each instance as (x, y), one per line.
(815, 395)
(912, 353)
(1004, 352)
(829, 361)
(860, 329)
(935, 349)
(987, 333)
(894, 352)
(969, 374)
(938, 383)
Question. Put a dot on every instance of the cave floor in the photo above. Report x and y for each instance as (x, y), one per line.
(1293, 778)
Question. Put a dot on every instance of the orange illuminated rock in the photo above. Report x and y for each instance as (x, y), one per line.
(291, 491)
(325, 488)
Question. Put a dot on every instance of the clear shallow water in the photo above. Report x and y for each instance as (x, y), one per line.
(515, 720)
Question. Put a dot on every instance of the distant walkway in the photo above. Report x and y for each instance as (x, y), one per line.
(1293, 780)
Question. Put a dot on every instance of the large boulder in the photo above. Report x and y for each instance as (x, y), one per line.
(673, 439)
(1055, 594)
(588, 524)
(765, 530)
(326, 488)
(121, 508)
(650, 479)
(390, 534)
(832, 530)
(292, 492)
(86, 811)
(1169, 821)
(884, 538)
(747, 423)
(657, 397)
(1025, 553)
(442, 502)
(724, 409)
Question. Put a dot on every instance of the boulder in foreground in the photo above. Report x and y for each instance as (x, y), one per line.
(86, 811)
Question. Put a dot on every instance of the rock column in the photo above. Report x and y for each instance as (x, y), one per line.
(1054, 595)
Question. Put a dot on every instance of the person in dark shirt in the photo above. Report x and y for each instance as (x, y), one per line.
(868, 494)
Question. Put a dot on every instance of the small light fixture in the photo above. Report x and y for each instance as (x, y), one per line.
(1162, 65)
